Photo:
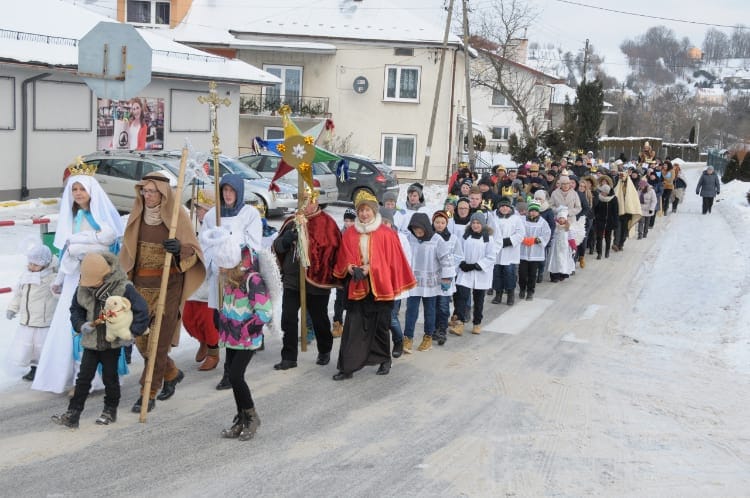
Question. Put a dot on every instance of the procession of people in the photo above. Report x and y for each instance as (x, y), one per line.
(500, 234)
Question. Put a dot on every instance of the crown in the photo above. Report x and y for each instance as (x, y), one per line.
(79, 167)
(205, 198)
(364, 196)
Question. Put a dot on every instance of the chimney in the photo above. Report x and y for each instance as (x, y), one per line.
(518, 50)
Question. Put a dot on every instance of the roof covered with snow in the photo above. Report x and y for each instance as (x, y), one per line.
(381, 20)
(561, 91)
(46, 33)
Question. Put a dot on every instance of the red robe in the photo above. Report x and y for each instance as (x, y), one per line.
(390, 273)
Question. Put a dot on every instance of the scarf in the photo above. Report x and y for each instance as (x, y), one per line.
(152, 216)
(445, 234)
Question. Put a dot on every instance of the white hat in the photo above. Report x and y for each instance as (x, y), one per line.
(220, 249)
(562, 212)
(39, 255)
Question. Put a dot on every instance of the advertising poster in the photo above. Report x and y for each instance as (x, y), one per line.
(135, 124)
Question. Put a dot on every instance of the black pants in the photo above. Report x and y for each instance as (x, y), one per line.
(237, 362)
(708, 202)
(605, 235)
(317, 306)
(89, 362)
(622, 230)
(338, 306)
(527, 272)
(477, 295)
(666, 196)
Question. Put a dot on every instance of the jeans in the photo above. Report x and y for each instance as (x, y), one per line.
(643, 226)
(504, 277)
(443, 312)
(89, 362)
(464, 294)
(412, 311)
(397, 334)
(237, 360)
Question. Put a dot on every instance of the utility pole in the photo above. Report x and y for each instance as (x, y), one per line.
(431, 133)
(585, 59)
(469, 125)
(622, 109)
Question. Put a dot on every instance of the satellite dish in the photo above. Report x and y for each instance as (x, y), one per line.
(114, 60)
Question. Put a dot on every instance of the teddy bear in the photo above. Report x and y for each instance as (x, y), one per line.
(118, 317)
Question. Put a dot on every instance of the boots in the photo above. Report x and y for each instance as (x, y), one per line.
(522, 294)
(237, 425)
(32, 373)
(250, 424)
(530, 296)
(68, 419)
(407, 344)
(582, 262)
(338, 329)
(398, 349)
(457, 328)
(498, 297)
(200, 355)
(440, 336)
(426, 343)
(453, 321)
(476, 329)
(511, 297)
(108, 416)
(211, 360)
(169, 386)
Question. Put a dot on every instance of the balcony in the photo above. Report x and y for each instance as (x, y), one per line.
(258, 104)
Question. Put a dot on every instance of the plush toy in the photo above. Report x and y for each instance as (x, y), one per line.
(118, 316)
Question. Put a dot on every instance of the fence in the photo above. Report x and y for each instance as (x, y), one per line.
(718, 160)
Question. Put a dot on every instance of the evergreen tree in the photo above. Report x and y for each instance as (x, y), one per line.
(587, 112)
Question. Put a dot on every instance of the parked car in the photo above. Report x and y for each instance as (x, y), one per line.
(266, 163)
(364, 174)
(118, 172)
(274, 203)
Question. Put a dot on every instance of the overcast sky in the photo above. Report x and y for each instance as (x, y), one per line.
(570, 25)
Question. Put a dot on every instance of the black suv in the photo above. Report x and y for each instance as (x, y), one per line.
(367, 174)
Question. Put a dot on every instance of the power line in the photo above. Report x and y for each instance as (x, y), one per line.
(650, 16)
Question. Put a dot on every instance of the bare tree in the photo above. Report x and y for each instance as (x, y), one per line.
(500, 67)
(715, 45)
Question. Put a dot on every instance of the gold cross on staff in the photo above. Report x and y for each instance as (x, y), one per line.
(214, 102)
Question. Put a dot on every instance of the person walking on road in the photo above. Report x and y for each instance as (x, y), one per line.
(708, 187)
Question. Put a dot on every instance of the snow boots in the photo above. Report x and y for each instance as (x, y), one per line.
(511, 297)
(108, 416)
(32, 373)
(250, 424)
(68, 419)
(426, 343)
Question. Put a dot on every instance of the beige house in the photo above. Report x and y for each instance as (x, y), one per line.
(371, 67)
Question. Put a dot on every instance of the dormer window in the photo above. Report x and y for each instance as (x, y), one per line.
(150, 12)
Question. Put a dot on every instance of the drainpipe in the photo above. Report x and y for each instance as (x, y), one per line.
(25, 132)
(450, 127)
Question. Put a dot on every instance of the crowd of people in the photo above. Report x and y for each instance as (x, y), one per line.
(497, 235)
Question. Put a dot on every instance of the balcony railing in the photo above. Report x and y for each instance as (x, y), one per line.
(259, 104)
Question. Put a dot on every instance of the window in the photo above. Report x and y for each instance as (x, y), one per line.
(499, 99)
(270, 133)
(289, 91)
(406, 52)
(399, 151)
(148, 12)
(500, 132)
(402, 83)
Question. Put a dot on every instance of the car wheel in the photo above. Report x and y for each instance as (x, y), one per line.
(357, 191)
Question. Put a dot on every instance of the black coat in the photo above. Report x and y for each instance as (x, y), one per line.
(606, 214)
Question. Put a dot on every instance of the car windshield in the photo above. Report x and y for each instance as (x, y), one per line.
(238, 168)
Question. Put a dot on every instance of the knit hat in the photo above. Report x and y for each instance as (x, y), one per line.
(540, 195)
(451, 199)
(366, 198)
(350, 214)
(440, 214)
(480, 217)
(562, 212)
(485, 181)
(387, 214)
(93, 270)
(521, 206)
(390, 196)
(534, 206)
(39, 255)
(467, 181)
(505, 201)
(220, 249)
(605, 189)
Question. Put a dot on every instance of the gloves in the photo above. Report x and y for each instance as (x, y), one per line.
(477, 267)
(358, 274)
(650, 212)
(466, 267)
(507, 242)
(290, 236)
(528, 241)
(10, 315)
(537, 240)
(572, 244)
(173, 246)
(88, 328)
(56, 289)
(445, 286)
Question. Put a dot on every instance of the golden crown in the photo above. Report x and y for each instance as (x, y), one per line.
(205, 198)
(364, 196)
(79, 167)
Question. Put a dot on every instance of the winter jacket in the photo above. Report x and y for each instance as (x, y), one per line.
(606, 213)
(88, 303)
(648, 202)
(34, 302)
(570, 199)
(708, 185)
(244, 311)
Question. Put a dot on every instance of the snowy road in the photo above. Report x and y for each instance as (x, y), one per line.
(628, 379)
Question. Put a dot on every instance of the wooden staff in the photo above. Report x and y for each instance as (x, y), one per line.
(153, 339)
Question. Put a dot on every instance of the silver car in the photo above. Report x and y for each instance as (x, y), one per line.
(323, 178)
(118, 172)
